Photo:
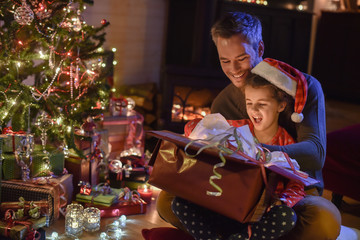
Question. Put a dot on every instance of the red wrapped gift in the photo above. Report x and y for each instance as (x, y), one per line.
(83, 170)
(239, 189)
(125, 132)
(121, 208)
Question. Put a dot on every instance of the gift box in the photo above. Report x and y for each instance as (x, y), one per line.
(98, 197)
(13, 140)
(82, 170)
(25, 206)
(38, 167)
(232, 186)
(133, 177)
(124, 132)
(54, 190)
(118, 106)
(86, 142)
(19, 229)
(121, 208)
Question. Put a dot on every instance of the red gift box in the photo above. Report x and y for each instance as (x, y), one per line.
(124, 132)
(121, 208)
(82, 170)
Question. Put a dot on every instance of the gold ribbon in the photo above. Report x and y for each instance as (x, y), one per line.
(222, 146)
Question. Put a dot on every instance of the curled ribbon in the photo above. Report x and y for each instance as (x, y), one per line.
(221, 145)
(225, 147)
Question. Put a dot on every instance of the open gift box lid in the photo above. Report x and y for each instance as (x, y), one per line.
(182, 141)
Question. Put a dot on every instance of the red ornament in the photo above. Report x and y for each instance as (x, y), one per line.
(103, 21)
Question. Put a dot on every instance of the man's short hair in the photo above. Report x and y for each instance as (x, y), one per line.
(233, 23)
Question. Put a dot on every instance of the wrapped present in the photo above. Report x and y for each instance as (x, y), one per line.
(85, 141)
(53, 190)
(129, 205)
(19, 230)
(216, 177)
(13, 140)
(38, 168)
(101, 195)
(129, 177)
(82, 169)
(118, 106)
(125, 132)
(25, 209)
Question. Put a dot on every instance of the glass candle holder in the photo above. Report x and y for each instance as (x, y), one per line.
(91, 219)
(145, 192)
(74, 220)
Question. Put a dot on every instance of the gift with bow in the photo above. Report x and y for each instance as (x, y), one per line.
(24, 209)
(102, 194)
(19, 230)
(129, 203)
(227, 170)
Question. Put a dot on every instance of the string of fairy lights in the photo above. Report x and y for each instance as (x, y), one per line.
(81, 73)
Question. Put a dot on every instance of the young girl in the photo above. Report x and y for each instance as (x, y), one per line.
(266, 104)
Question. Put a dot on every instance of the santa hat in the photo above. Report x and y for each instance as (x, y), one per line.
(288, 79)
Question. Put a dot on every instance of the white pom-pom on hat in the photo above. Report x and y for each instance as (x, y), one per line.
(297, 117)
(287, 78)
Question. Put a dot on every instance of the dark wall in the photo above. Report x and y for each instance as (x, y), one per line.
(286, 33)
(336, 57)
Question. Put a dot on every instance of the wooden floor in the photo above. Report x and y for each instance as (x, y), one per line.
(339, 115)
(132, 230)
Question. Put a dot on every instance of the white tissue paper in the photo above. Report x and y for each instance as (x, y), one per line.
(214, 127)
(278, 158)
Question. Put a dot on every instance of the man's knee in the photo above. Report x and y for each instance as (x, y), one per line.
(163, 206)
(317, 218)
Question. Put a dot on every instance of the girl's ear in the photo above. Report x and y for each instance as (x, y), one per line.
(282, 107)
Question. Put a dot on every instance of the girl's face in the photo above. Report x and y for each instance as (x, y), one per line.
(262, 108)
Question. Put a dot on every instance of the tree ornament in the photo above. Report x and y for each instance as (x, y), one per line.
(103, 21)
(24, 15)
(76, 26)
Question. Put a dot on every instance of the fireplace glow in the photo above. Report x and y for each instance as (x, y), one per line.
(187, 113)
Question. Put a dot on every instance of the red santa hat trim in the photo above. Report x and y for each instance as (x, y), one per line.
(287, 78)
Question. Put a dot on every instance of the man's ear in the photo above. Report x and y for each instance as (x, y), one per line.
(261, 49)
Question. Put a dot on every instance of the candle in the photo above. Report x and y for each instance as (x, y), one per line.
(74, 220)
(91, 219)
(145, 192)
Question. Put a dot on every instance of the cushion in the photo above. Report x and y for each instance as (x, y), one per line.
(165, 233)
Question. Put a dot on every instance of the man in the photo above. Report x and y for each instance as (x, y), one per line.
(238, 38)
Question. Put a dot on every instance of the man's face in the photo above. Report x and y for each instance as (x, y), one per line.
(237, 58)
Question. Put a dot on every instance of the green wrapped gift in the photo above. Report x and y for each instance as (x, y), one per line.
(57, 161)
(14, 139)
(99, 198)
(37, 169)
(19, 231)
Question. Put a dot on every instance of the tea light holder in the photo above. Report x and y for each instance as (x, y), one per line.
(145, 192)
(91, 219)
(74, 220)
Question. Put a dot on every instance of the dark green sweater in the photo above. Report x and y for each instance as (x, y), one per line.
(310, 149)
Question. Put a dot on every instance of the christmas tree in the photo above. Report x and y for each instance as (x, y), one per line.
(53, 71)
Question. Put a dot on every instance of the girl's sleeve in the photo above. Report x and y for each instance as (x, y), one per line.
(189, 126)
(292, 194)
